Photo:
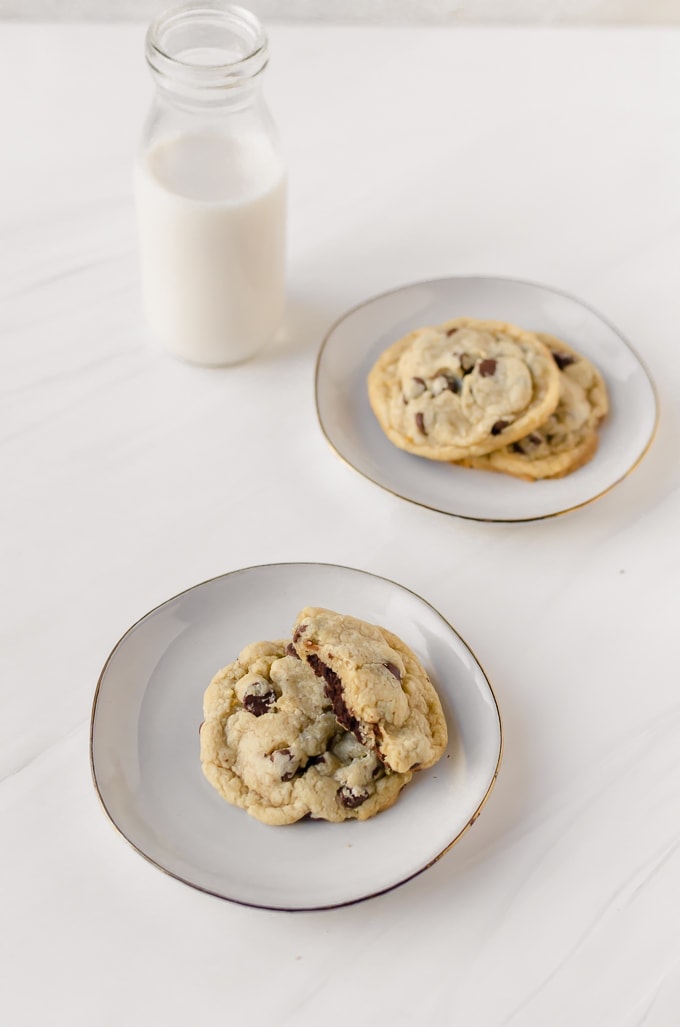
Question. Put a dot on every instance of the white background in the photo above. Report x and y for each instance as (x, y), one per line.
(546, 12)
(127, 477)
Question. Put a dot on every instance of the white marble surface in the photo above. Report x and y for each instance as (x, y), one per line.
(128, 477)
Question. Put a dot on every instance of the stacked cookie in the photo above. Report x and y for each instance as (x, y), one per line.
(489, 395)
(331, 723)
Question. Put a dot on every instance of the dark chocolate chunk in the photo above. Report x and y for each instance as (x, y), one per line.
(290, 651)
(299, 631)
(452, 331)
(516, 447)
(314, 760)
(350, 798)
(563, 360)
(258, 704)
(333, 691)
(487, 367)
(420, 421)
(393, 669)
(498, 427)
(377, 739)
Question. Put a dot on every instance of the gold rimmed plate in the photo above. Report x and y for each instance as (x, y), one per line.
(355, 341)
(145, 748)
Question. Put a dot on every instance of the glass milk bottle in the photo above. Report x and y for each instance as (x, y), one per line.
(210, 188)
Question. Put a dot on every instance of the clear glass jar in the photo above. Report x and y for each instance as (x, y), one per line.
(210, 188)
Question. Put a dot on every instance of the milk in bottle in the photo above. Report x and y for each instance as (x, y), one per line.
(210, 189)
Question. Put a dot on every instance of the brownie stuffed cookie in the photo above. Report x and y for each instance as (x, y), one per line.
(280, 741)
(462, 389)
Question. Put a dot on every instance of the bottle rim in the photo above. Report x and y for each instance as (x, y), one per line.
(211, 72)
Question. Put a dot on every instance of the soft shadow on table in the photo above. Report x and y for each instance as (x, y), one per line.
(305, 326)
(462, 867)
(640, 493)
(501, 817)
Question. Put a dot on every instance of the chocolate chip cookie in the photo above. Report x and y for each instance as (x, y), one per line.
(280, 741)
(569, 437)
(464, 388)
(378, 690)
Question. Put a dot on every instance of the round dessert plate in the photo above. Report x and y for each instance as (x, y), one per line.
(145, 745)
(355, 341)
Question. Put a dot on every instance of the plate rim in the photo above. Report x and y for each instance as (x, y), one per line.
(514, 281)
(292, 908)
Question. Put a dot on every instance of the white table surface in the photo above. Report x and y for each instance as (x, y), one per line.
(551, 155)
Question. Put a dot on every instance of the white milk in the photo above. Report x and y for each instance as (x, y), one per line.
(211, 221)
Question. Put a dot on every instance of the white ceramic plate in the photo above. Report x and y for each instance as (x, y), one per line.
(145, 747)
(356, 340)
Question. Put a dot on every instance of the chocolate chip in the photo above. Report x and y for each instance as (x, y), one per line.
(333, 691)
(350, 798)
(291, 651)
(563, 360)
(289, 773)
(420, 421)
(526, 444)
(393, 669)
(258, 704)
(314, 760)
(299, 631)
(377, 740)
(452, 331)
(467, 363)
(445, 381)
(487, 367)
(498, 427)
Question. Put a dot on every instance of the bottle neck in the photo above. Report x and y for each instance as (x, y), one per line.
(207, 56)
